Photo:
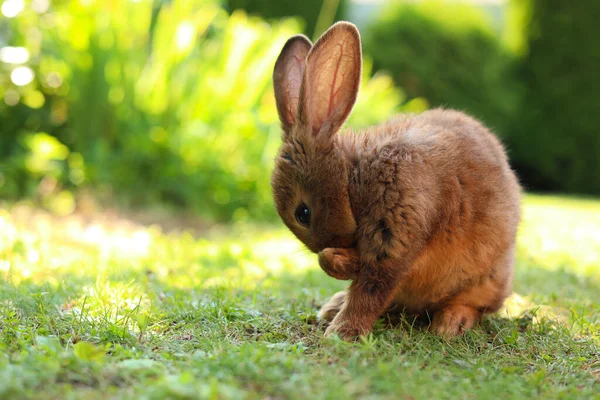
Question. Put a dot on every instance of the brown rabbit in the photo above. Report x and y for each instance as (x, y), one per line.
(420, 212)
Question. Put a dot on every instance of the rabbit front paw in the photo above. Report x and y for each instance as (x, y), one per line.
(346, 329)
(339, 263)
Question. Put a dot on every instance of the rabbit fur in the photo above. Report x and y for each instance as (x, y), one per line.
(420, 212)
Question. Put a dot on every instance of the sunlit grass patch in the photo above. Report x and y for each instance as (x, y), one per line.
(92, 308)
(559, 231)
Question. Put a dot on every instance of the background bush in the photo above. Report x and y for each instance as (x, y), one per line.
(170, 102)
(556, 141)
(307, 10)
(146, 104)
(448, 54)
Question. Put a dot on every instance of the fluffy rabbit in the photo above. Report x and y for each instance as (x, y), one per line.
(420, 212)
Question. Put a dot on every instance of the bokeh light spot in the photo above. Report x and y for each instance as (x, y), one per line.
(11, 97)
(40, 6)
(14, 55)
(12, 8)
(22, 76)
(34, 99)
(54, 79)
(184, 35)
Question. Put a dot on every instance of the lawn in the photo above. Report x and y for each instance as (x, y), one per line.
(119, 310)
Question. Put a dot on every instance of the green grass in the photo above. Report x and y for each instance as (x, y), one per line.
(118, 310)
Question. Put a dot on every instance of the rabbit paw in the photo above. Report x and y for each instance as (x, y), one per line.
(339, 263)
(347, 330)
(332, 308)
(455, 320)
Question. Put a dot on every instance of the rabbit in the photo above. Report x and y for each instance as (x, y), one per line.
(420, 212)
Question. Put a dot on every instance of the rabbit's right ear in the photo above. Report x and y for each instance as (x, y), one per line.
(287, 78)
(331, 80)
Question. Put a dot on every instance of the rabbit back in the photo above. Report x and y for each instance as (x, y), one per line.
(438, 182)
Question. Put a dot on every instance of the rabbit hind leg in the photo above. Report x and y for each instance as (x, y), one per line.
(332, 307)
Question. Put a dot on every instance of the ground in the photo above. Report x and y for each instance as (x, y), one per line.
(98, 310)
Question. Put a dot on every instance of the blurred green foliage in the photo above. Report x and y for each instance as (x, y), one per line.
(170, 101)
(308, 11)
(556, 142)
(448, 54)
(142, 102)
(537, 86)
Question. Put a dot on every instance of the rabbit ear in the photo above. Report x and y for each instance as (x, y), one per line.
(287, 78)
(331, 79)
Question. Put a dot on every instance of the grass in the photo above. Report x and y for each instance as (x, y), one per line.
(116, 310)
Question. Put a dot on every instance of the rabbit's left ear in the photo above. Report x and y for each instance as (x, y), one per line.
(331, 79)
(287, 78)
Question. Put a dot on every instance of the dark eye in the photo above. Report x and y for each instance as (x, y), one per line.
(303, 214)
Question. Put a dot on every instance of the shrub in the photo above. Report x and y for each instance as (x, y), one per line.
(179, 116)
(307, 10)
(150, 105)
(556, 142)
(448, 55)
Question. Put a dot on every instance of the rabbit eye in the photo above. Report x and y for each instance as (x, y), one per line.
(303, 214)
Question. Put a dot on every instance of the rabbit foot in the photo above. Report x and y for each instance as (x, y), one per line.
(346, 329)
(454, 320)
(332, 308)
(339, 263)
